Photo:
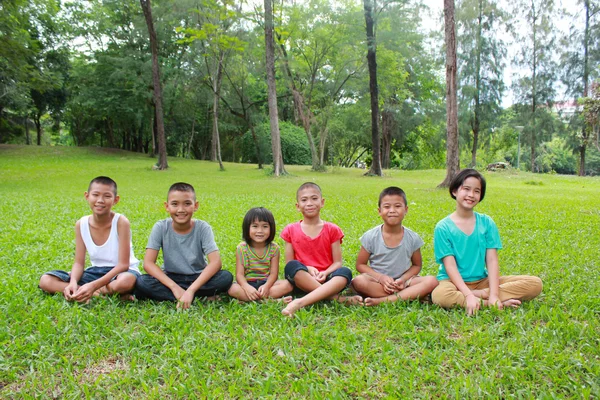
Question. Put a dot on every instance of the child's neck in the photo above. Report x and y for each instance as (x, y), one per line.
(183, 229)
(462, 213)
(393, 229)
(312, 220)
(103, 219)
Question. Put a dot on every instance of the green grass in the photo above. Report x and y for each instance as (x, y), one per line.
(548, 348)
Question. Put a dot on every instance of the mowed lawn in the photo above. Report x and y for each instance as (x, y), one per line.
(549, 348)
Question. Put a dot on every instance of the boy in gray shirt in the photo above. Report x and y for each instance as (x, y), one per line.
(390, 256)
(186, 243)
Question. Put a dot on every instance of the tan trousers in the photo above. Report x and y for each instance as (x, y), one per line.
(520, 287)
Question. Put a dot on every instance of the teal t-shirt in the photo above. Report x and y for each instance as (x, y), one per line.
(468, 251)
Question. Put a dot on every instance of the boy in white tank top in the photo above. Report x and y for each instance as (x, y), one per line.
(106, 236)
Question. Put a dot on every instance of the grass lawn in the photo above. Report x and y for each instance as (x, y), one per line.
(548, 348)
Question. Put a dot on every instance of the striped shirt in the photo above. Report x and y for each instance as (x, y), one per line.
(256, 268)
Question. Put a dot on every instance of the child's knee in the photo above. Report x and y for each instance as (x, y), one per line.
(536, 285)
(46, 282)
(431, 282)
(360, 282)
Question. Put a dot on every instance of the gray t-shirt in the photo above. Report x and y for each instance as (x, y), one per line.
(183, 254)
(391, 261)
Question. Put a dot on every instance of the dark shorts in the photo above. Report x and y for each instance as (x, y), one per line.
(148, 287)
(257, 284)
(292, 268)
(90, 274)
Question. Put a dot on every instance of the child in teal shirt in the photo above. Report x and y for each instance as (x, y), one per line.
(466, 245)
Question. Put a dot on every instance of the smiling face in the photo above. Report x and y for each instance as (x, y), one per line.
(468, 194)
(101, 197)
(181, 206)
(392, 209)
(260, 231)
(309, 202)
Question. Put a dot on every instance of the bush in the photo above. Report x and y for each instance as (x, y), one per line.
(294, 145)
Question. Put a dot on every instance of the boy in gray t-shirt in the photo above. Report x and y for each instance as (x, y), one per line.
(390, 260)
(185, 243)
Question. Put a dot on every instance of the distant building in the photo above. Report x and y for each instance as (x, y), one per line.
(566, 109)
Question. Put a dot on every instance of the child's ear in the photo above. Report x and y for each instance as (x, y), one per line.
(196, 206)
(167, 205)
(117, 198)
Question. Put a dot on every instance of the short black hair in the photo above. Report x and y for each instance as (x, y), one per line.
(307, 185)
(259, 214)
(392, 191)
(181, 187)
(104, 180)
(462, 176)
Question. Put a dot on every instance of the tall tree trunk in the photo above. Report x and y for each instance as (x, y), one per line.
(452, 159)
(301, 111)
(373, 89)
(534, 88)
(216, 139)
(38, 127)
(586, 74)
(160, 125)
(278, 168)
(475, 125)
(153, 127)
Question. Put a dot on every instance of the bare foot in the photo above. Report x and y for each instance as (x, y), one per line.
(212, 298)
(286, 299)
(351, 300)
(101, 292)
(291, 308)
(482, 294)
(373, 301)
(514, 303)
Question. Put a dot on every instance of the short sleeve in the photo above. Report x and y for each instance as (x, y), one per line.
(442, 244)
(366, 241)
(156, 236)
(286, 234)
(335, 233)
(417, 242)
(492, 236)
(207, 239)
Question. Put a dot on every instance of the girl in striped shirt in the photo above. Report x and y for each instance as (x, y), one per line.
(257, 260)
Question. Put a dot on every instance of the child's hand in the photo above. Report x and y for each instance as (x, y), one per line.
(178, 292)
(252, 293)
(84, 293)
(264, 291)
(313, 272)
(494, 301)
(399, 284)
(473, 303)
(321, 277)
(70, 290)
(185, 301)
(388, 284)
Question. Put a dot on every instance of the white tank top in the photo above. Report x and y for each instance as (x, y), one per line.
(107, 254)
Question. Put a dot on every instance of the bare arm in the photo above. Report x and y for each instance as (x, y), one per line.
(289, 253)
(416, 261)
(78, 264)
(336, 253)
(213, 266)
(240, 277)
(491, 262)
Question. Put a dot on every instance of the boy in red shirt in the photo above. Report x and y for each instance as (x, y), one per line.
(313, 254)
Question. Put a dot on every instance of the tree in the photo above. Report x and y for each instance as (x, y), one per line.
(452, 155)
(536, 86)
(582, 50)
(158, 100)
(278, 168)
(481, 52)
(373, 89)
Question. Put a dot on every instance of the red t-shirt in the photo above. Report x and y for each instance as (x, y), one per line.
(314, 252)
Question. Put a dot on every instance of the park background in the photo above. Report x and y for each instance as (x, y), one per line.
(79, 73)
